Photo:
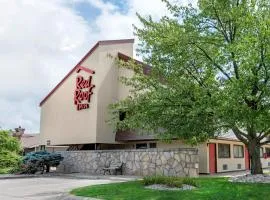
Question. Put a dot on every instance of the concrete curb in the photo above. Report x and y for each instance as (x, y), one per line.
(17, 176)
(70, 176)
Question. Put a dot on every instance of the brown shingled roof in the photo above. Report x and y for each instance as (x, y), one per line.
(30, 140)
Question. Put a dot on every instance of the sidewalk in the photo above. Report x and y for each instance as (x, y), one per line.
(231, 174)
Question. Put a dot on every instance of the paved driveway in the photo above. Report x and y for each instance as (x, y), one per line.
(45, 188)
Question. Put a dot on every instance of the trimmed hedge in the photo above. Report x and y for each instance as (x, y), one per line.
(169, 181)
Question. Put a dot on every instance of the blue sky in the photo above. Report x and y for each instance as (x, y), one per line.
(42, 40)
(87, 11)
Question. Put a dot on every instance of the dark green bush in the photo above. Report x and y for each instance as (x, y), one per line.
(170, 181)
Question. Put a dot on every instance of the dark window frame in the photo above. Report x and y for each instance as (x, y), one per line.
(267, 151)
(152, 145)
(141, 146)
(237, 145)
(220, 148)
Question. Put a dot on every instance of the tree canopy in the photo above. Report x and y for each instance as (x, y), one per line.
(9, 150)
(210, 70)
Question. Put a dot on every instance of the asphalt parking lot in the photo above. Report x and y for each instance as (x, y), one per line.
(45, 188)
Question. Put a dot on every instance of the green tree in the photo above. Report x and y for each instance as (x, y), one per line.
(209, 73)
(9, 150)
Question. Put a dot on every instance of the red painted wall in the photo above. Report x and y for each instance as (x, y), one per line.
(212, 158)
(247, 161)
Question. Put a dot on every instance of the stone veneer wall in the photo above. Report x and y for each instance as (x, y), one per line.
(141, 162)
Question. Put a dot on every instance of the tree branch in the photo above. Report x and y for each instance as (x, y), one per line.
(223, 31)
(235, 66)
(196, 79)
(240, 135)
(214, 63)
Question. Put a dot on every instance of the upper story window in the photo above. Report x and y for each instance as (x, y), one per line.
(224, 151)
(238, 151)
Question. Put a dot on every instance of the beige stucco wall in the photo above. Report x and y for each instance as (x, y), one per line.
(62, 124)
(203, 158)
(265, 161)
(56, 148)
(231, 162)
(108, 90)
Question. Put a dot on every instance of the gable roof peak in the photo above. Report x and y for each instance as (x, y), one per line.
(101, 42)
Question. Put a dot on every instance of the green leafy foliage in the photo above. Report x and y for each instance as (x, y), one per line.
(38, 161)
(5, 170)
(210, 73)
(169, 181)
(9, 151)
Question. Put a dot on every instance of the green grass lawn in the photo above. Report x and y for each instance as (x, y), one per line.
(209, 188)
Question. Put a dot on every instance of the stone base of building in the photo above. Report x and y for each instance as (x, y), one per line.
(181, 162)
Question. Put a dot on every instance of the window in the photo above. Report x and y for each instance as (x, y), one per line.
(153, 145)
(267, 151)
(42, 147)
(238, 151)
(141, 146)
(224, 151)
(122, 115)
(261, 152)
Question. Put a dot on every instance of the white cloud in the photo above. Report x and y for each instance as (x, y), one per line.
(42, 40)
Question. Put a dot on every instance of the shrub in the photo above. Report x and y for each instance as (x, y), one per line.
(4, 170)
(170, 181)
(40, 161)
(190, 181)
(9, 151)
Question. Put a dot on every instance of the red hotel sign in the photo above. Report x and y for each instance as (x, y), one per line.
(83, 91)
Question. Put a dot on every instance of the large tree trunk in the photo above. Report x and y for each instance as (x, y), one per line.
(254, 152)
